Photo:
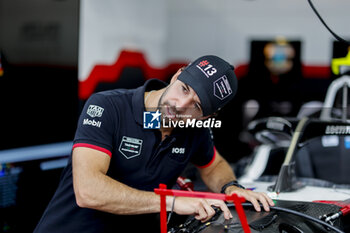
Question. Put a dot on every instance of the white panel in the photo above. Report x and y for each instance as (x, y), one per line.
(183, 30)
(108, 26)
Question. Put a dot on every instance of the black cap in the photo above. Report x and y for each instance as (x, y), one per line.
(214, 81)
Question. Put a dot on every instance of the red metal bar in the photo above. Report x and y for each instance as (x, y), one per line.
(241, 214)
(345, 210)
(162, 191)
(182, 193)
(163, 215)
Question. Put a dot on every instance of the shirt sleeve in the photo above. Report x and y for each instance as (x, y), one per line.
(206, 151)
(96, 125)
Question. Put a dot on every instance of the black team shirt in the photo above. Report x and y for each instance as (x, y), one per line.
(112, 122)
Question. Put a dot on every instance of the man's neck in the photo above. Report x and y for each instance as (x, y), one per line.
(151, 100)
(165, 132)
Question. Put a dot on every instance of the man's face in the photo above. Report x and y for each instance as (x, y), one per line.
(180, 102)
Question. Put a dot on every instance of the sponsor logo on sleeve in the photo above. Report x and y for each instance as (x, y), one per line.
(95, 111)
(92, 122)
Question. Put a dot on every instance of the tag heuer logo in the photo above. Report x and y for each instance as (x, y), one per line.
(95, 111)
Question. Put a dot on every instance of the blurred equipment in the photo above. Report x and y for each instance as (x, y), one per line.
(341, 65)
(185, 183)
(29, 177)
(331, 165)
(332, 217)
(279, 56)
(318, 149)
(274, 77)
(1, 68)
(314, 147)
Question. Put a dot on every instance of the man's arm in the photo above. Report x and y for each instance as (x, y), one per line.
(220, 173)
(94, 189)
(217, 174)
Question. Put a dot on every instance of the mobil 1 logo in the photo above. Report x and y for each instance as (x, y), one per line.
(130, 147)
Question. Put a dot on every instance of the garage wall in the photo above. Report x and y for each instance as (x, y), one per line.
(167, 31)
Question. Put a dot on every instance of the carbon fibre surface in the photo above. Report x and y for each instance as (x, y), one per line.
(273, 221)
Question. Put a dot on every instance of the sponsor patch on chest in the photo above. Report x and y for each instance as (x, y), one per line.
(130, 147)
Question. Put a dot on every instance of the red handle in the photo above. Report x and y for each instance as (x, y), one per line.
(345, 210)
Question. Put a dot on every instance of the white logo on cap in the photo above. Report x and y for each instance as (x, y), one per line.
(222, 88)
(207, 69)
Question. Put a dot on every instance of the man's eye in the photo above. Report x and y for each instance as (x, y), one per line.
(184, 89)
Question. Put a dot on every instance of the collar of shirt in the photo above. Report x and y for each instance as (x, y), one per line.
(138, 103)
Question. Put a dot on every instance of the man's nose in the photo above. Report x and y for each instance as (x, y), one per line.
(183, 103)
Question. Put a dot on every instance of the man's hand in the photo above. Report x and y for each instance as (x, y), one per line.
(253, 197)
(201, 208)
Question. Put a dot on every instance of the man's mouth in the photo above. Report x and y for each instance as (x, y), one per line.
(170, 113)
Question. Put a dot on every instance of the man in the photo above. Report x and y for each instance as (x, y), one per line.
(116, 163)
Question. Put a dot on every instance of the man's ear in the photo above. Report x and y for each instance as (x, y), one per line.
(174, 78)
(176, 75)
